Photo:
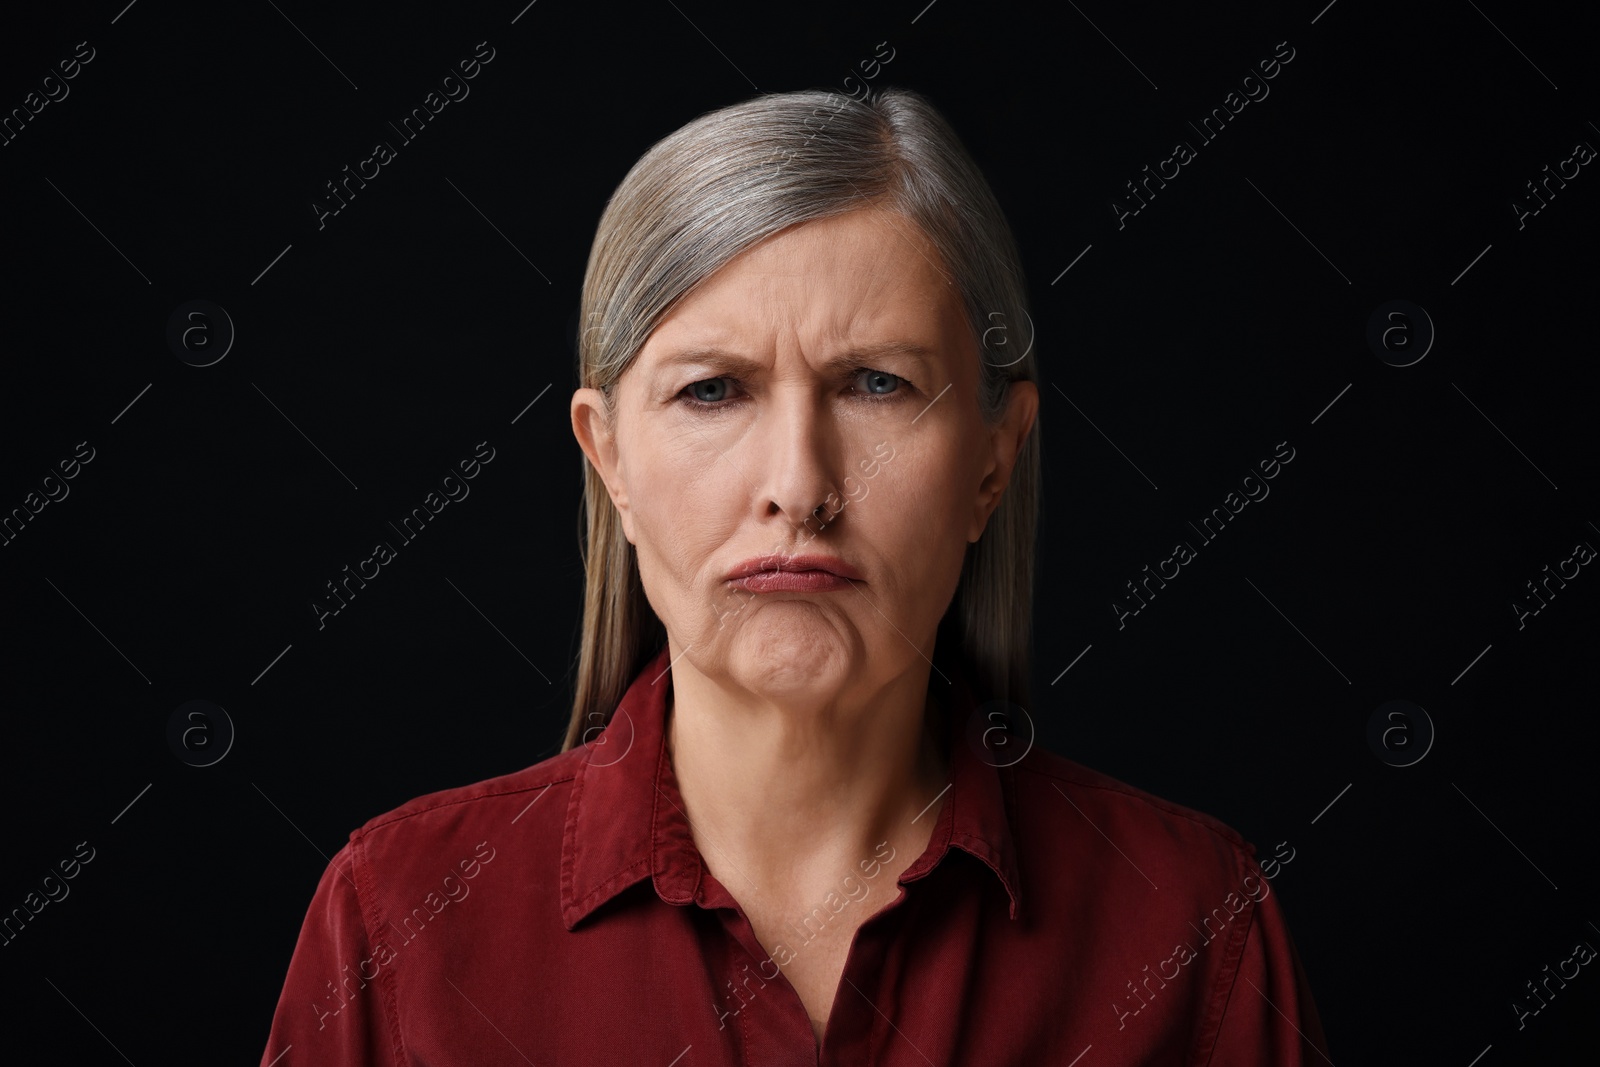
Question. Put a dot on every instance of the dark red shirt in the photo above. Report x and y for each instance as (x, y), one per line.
(562, 915)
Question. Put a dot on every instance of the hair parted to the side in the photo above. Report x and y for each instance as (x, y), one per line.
(717, 187)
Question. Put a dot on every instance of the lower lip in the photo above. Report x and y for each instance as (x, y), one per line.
(792, 582)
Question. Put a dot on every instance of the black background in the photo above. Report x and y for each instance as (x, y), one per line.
(378, 351)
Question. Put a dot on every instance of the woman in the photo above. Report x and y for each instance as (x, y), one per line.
(786, 825)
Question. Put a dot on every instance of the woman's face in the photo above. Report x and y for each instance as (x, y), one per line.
(829, 367)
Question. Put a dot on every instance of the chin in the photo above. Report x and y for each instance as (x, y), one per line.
(789, 654)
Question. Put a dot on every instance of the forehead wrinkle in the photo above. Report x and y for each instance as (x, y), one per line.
(820, 301)
(849, 357)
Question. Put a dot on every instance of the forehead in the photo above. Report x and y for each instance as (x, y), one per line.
(867, 276)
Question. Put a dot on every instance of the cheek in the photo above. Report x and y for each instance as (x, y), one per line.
(924, 507)
(906, 514)
(676, 481)
(685, 502)
(920, 487)
(673, 571)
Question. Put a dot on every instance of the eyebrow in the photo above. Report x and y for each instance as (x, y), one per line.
(736, 365)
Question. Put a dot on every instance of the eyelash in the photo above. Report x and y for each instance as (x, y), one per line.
(696, 404)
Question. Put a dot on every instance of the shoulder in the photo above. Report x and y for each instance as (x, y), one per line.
(529, 804)
(1169, 901)
(1058, 802)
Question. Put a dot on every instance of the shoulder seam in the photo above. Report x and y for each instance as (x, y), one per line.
(1210, 823)
(1227, 982)
(367, 904)
(390, 819)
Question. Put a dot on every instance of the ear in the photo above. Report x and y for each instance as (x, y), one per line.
(1005, 440)
(596, 435)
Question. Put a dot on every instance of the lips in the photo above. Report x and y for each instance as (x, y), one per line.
(794, 565)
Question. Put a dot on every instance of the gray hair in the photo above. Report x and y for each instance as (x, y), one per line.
(714, 189)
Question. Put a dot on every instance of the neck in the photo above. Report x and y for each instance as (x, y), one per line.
(786, 796)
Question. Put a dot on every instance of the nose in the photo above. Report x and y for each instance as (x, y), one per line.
(797, 447)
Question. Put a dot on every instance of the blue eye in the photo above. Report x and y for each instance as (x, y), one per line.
(878, 378)
(719, 391)
(875, 386)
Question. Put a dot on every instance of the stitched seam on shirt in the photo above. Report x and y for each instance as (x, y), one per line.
(655, 823)
(1008, 791)
(569, 836)
(366, 899)
(629, 873)
(655, 808)
(1218, 829)
(980, 850)
(464, 800)
(985, 852)
(744, 1023)
(1227, 980)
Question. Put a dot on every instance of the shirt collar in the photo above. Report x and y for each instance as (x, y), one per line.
(625, 817)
